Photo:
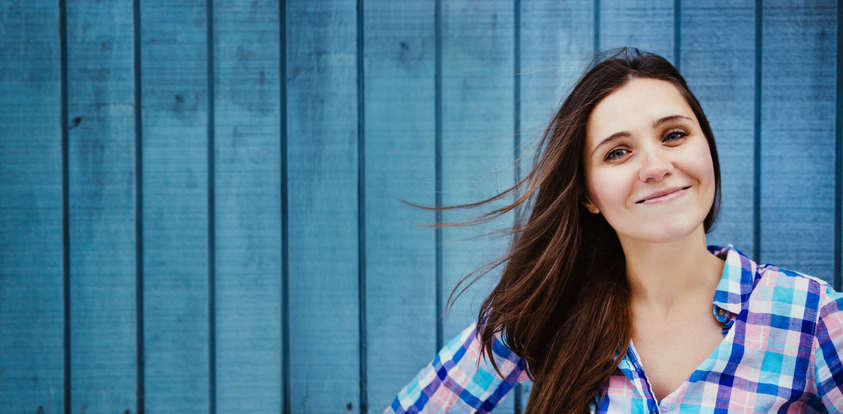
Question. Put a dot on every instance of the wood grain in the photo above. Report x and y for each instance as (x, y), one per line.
(175, 204)
(556, 47)
(400, 165)
(323, 212)
(183, 322)
(248, 205)
(797, 133)
(31, 318)
(101, 154)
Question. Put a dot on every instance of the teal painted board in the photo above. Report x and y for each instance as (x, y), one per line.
(477, 137)
(101, 163)
(718, 62)
(477, 141)
(557, 43)
(31, 317)
(400, 165)
(248, 207)
(797, 132)
(323, 206)
(175, 206)
(645, 24)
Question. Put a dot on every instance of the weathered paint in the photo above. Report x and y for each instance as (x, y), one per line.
(358, 141)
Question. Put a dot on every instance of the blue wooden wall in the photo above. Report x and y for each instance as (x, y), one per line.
(200, 199)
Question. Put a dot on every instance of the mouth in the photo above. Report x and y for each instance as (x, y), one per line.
(663, 196)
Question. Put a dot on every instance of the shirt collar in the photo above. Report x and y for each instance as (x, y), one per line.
(737, 279)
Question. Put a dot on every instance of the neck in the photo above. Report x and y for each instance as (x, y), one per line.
(667, 275)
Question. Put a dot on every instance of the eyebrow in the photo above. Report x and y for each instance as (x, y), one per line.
(657, 123)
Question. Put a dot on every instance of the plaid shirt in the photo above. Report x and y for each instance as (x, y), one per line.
(781, 352)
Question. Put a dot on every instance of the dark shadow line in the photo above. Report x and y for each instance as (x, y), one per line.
(139, 323)
(838, 162)
(756, 208)
(361, 206)
(516, 80)
(65, 207)
(212, 327)
(677, 34)
(596, 27)
(438, 160)
(516, 140)
(285, 249)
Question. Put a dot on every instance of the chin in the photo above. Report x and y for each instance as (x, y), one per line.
(665, 234)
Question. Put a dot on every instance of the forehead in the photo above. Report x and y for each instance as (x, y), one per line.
(634, 107)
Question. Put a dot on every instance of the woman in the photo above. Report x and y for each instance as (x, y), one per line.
(610, 300)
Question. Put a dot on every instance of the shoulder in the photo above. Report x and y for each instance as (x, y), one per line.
(462, 378)
(791, 288)
(786, 291)
(791, 301)
(768, 290)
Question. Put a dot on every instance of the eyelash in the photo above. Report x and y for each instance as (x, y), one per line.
(610, 157)
(672, 135)
(681, 133)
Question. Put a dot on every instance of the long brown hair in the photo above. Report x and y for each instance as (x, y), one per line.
(562, 302)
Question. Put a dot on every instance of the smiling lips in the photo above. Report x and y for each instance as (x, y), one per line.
(663, 196)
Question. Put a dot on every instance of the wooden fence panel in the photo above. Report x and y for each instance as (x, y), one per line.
(797, 136)
(101, 180)
(31, 301)
(248, 207)
(557, 43)
(175, 207)
(400, 139)
(322, 76)
(220, 133)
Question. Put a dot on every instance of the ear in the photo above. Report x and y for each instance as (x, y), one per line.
(590, 206)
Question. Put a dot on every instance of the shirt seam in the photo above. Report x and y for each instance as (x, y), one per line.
(815, 343)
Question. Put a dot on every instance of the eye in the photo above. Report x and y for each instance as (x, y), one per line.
(675, 135)
(616, 153)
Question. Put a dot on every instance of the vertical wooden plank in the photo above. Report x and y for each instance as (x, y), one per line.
(400, 165)
(557, 42)
(323, 212)
(31, 318)
(102, 222)
(718, 62)
(477, 136)
(797, 132)
(477, 140)
(248, 205)
(556, 47)
(175, 221)
(645, 24)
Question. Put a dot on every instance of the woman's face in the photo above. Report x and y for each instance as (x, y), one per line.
(648, 165)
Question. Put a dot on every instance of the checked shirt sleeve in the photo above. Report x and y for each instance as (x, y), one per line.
(456, 382)
(828, 343)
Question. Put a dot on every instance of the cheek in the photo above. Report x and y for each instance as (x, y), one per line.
(606, 191)
(703, 168)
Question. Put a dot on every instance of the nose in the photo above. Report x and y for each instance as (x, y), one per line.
(656, 165)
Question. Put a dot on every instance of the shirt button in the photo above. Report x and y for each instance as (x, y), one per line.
(721, 311)
(654, 412)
